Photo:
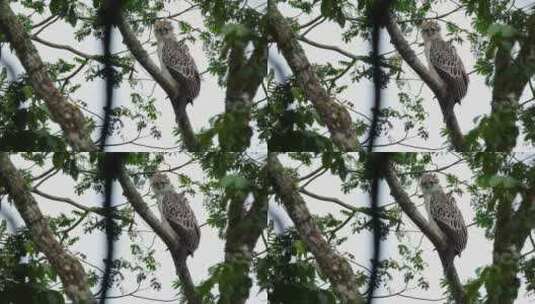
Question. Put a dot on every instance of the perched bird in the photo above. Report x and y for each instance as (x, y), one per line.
(176, 214)
(176, 62)
(443, 214)
(443, 61)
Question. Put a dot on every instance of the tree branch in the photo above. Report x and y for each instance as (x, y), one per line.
(436, 237)
(333, 48)
(69, 269)
(97, 210)
(436, 85)
(67, 115)
(335, 116)
(171, 241)
(333, 266)
(76, 52)
(135, 47)
(332, 200)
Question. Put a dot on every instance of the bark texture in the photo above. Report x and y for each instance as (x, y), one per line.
(244, 78)
(334, 115)
(171, 241)
(512, 230)
(243, 231)
(333, 266)
(69, 269)
(512, 74)
(67, 115)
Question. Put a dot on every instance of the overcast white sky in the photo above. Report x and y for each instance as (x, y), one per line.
(478, 252)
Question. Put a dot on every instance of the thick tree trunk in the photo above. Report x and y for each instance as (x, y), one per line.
(333, 266)
(69, 269)
(244, 78)
(243, 231)
(335, 116)
(512, 230)
(68, 116)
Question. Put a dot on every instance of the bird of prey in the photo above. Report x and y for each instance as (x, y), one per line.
(176, 62)
(443, 214)
(176, 214)
(443, 62)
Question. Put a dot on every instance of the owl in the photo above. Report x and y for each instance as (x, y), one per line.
(175, 212)
(176, 62)
(443, 214)
(444, 62)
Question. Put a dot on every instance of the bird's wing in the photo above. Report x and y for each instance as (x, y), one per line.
(450, 220)
(182, 219)
(176, 57)
(180, 64)
(449, 66)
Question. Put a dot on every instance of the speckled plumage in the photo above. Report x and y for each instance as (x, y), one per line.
(443, 212)
(444, 62)
(176, 62)
(175, 212)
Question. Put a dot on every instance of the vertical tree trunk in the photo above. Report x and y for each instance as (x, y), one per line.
(244, 230)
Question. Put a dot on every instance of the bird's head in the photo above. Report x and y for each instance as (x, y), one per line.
(163, 29)
(430, 29)
(159, 182)
(429, 182)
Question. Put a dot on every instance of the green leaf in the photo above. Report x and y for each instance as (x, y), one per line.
(234, 182)
(58, 159)
(501, 30)
(57, 7)
(332, 9)
(300, 248)
(502, 181)
(27, 91)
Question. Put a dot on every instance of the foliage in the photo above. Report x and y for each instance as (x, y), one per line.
(287, 273)
(25, 277)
